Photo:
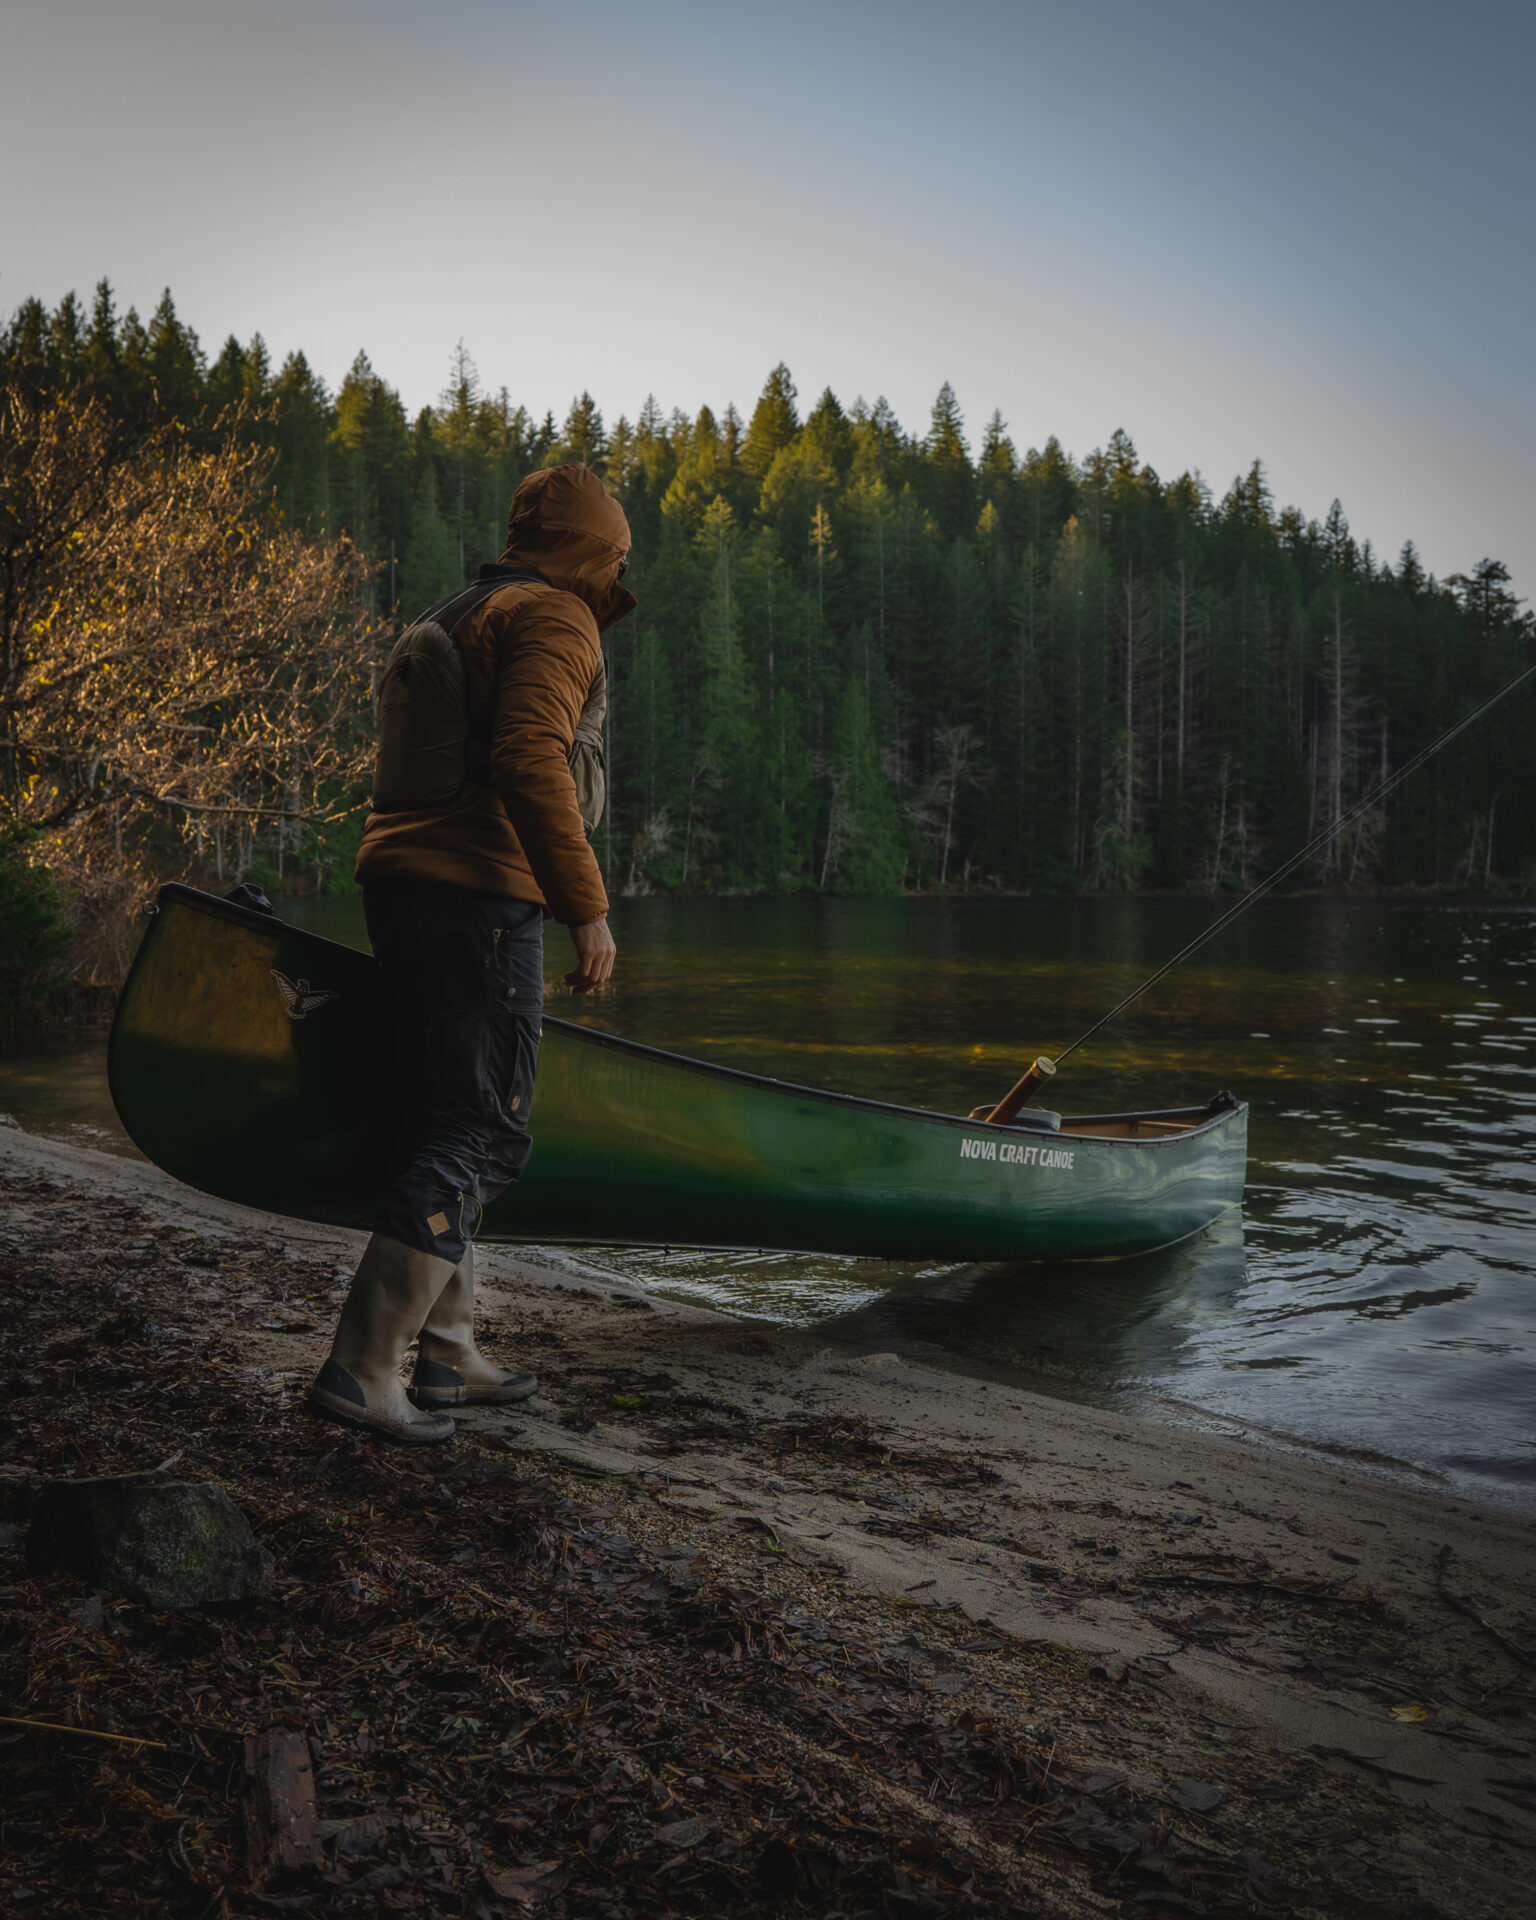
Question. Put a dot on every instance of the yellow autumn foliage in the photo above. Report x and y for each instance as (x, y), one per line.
(179, 673)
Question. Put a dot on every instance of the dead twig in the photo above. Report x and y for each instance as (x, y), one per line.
(1376, 1766)
(1469, 1612)
(1321, 1595)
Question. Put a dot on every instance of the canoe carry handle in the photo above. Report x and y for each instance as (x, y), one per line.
(1039, 1070)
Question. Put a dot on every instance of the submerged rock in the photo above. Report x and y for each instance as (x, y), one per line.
(164, 1543)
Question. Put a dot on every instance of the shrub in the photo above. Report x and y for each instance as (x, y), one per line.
(33, 933)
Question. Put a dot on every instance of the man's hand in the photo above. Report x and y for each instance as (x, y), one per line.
(595, 954)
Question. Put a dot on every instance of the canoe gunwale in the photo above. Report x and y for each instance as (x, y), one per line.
(1202, 1120)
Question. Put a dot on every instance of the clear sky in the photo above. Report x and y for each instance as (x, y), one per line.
(1300, 232)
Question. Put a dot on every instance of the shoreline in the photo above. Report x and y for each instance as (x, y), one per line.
(1114, 1394)
(1162, 1609)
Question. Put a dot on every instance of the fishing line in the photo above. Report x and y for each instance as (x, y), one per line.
(1377, 794)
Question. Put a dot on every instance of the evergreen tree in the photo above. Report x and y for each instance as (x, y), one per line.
(369, 446)
(101, 356)
(950, 483)
(1050, 488)
(583, 442)
(879, 449)
(727, 805)
(455, 427)
(829, 435)
(1485, 594)
(302, 419)
(174, 362)
(644, 760)
(773, 425)
(66, 340)
(703, 469)
(863, 849)
(431, 570)
(230, 379)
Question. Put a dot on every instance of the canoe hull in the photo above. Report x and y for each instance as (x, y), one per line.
(219, 1083)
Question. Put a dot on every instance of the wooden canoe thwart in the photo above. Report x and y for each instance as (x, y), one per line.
(250, 1059)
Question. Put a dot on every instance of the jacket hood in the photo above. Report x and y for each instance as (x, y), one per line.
(567, 526)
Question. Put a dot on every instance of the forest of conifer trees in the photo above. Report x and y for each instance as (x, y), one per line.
(868, 659)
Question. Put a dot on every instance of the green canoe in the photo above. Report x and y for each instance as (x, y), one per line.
(247, 1058)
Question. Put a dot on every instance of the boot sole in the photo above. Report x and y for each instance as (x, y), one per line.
(343, 1417)
(468, 1397)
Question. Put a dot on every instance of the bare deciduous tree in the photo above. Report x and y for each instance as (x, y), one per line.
(955, 754)
(177, 670)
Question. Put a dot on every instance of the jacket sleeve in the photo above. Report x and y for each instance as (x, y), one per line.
(546, 659)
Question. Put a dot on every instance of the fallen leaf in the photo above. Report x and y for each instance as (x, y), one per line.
(380, 1877)
(1197, 1795)
(686, 1833)
(362, 1836)
(528, 1885)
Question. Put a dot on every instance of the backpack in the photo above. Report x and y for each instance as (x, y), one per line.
(429, 761)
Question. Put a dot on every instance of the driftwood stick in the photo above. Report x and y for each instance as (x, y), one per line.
(83, 1733)
(1468, 1612)
(279, 1806)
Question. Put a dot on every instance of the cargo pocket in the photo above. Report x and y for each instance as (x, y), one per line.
(525, 1065)
(511, 1146)
(515, 962)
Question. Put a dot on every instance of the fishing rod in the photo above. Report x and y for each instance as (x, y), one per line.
(1041, 1068)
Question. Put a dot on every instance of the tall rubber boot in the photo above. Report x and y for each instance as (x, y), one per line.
(359, 1385)
(450, 1370)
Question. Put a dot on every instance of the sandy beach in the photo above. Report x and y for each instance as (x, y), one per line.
(1194, 1674)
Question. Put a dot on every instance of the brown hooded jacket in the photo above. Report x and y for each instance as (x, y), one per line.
(531, 652)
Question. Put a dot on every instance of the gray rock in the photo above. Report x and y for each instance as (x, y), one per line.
(164, 1543)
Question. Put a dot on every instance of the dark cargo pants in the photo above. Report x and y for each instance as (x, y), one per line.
(464, 974)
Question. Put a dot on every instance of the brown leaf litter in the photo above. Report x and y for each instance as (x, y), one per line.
(720, 1625)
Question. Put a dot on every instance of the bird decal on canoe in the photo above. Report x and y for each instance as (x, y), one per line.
(298, 1000)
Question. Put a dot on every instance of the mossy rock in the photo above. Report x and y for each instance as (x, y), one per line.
(164, 1543)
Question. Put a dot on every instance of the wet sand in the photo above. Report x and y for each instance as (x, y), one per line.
(1258, 1679)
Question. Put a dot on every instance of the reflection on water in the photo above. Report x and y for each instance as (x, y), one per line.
(63, 1093)
(1380, 1296)
(1081, 1326)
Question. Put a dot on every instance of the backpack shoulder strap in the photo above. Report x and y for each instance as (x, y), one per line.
(447, 613)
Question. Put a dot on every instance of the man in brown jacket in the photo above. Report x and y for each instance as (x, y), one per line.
(476, 833)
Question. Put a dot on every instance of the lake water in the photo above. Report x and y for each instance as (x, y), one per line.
(1379, 1296)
